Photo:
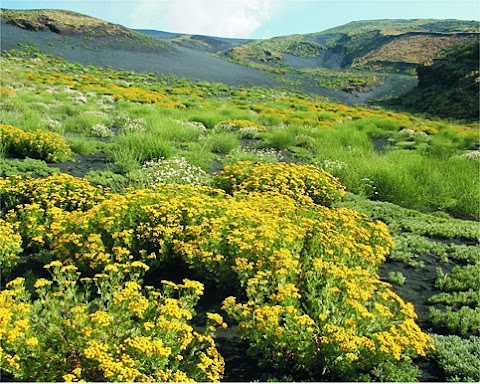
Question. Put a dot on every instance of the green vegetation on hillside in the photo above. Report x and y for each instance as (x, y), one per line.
(449, 87)
(378, 45)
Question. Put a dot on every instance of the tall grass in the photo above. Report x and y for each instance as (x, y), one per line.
(222, 142)
(131, 150)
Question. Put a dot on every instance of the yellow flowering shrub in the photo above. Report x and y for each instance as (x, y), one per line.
(305, 183)
(38, 144)
(239, 124)
(10, 246)
(58, 190)
(128, 333)
(309, 272)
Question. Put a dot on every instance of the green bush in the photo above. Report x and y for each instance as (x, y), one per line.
(459, 358)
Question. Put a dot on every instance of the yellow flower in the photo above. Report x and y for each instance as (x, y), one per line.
(40, 283)
(68, 378)
(148, 325)
(32, 341)
(139, 264)
(215, 317)
(14, 282)
(56, 263)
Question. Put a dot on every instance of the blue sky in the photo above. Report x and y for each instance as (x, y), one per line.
(254, 18)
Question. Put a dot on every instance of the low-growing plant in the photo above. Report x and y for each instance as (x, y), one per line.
(396, 277)
(25, 168)
(43, 145)
(459, 358)
(86, 145)
(464, 321)
(127, 332)
(108, 178)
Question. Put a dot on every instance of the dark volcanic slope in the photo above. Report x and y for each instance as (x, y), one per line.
(183, 56)
(179, 61)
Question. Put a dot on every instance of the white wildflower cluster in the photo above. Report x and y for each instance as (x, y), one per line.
(107, 99)
(411, 132)
(79, 99)
(266, 155)
(52, 123)
(472, 155)
(197, 124)
(174, 171)
(96, 113)
(101, 130)
(226, 127)
(130, 125)
(244, 132)
(333, 165)
(71, 91)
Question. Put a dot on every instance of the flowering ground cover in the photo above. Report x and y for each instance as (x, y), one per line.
(293, 206)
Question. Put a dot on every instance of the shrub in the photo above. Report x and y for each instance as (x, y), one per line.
(459, 358)
(126, 333)
(314, 301)
(10, 247)
(43, 145)
(304, 183)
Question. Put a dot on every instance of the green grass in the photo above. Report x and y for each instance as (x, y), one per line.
(223, 142)
(131, 150)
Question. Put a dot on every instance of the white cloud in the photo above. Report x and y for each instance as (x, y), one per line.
(223, 18)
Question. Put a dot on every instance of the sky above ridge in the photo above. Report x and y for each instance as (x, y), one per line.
(253, 18)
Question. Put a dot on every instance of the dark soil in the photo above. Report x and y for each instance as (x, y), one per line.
(80, 165)
(419, 285)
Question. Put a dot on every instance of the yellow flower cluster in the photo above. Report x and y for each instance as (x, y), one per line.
(10, 246)
(309, 271)
(58, 190)
(306, 184)
(241, 123)
(148, 346)
(171, 351)
(112, 368)
(38, 144)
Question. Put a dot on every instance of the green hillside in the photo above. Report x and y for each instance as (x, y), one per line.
(388, 45)
(449, 87)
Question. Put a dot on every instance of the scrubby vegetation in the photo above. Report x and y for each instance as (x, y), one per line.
(257, 191)
(449, 87)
